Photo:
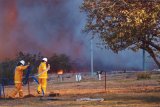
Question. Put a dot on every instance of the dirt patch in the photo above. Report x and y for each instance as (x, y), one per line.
(30, 95)
(52, 94)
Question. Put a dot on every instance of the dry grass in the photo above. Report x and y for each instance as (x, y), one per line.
(123, 90)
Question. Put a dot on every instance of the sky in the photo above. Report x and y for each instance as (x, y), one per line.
(55, 26)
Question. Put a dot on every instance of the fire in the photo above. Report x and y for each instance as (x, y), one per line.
(60, 72)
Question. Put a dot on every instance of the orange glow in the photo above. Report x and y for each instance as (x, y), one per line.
(60, 72)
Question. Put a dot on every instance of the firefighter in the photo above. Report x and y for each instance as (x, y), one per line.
(43, 75)
(18, 76)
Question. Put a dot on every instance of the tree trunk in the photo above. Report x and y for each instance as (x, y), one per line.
(152, 54)
(151, 44)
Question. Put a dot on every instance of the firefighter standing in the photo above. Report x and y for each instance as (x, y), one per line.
(18, 76)
(43, 75)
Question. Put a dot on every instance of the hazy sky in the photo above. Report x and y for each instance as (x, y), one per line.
(53, 26)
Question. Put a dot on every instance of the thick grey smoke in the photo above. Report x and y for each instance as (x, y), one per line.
(52, 26)
(46, 26)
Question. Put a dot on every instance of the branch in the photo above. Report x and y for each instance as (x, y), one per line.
(154, 45)
(151, 43)
(152, 54)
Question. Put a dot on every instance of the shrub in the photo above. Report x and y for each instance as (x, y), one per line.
(143, 75)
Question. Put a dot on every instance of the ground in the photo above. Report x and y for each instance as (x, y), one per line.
(122, 90)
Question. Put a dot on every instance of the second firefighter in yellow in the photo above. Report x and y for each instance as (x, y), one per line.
(18, 79)
(42, 76)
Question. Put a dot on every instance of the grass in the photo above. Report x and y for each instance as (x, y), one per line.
(121, 92)
(143, 75)
(119, 100)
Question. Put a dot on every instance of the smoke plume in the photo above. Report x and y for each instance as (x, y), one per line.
(52, 26)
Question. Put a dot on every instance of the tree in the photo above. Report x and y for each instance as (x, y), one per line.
(60, 62)
(7, 67)
(33, 59)
(125, 24)
(7, 71)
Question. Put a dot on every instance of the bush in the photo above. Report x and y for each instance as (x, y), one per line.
(143, 75)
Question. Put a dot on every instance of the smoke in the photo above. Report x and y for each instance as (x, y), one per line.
(52, 26)
(46, 26)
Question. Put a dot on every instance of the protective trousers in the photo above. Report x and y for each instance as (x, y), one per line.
(18, 89)
(42, 85)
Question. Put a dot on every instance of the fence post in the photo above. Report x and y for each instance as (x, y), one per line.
(28, 88)
(0, 90)
(105, 80)
(3, 88)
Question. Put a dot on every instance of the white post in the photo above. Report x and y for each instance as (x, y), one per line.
(76, 77)
(99, 76)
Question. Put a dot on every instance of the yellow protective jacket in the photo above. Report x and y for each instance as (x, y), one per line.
(42, 67)
(19, 73)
